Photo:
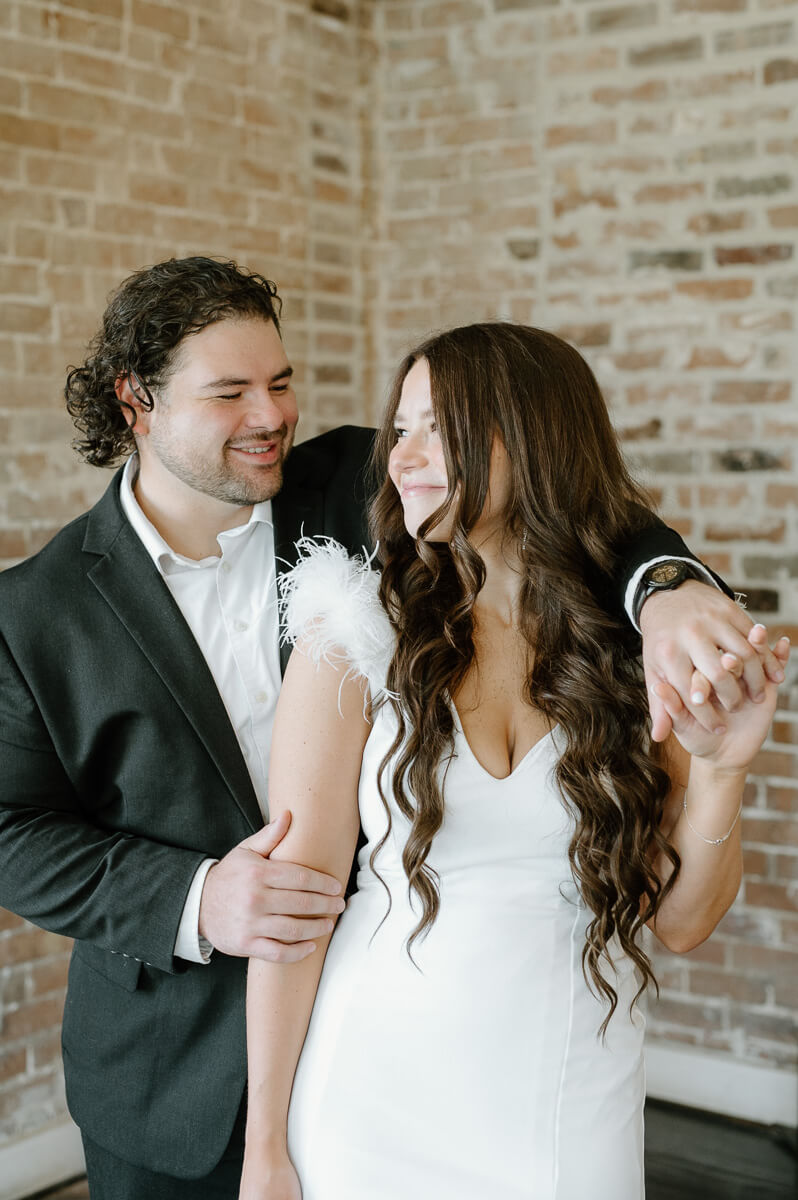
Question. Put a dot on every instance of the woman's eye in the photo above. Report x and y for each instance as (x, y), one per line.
(400, 433)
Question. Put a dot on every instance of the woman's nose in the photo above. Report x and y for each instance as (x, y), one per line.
(408, 451)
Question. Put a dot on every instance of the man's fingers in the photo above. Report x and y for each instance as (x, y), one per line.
(291, 877)
(264, 841)
(293, 930)
(276, 901)
(670, 699)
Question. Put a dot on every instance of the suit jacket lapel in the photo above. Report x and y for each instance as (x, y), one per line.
(297, 510)
(126, 577)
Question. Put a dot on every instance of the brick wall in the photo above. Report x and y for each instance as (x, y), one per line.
(625, 174)
(130, 131)
(622, 174)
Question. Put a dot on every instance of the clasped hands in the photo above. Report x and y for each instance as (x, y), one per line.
(703, 670)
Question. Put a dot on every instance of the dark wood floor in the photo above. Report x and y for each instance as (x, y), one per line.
(698, 1156)
(689, 1156)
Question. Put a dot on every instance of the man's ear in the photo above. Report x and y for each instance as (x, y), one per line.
(135, 405)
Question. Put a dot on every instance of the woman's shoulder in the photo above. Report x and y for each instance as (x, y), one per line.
(330, 602)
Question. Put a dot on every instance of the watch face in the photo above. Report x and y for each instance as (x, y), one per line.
(665, 573)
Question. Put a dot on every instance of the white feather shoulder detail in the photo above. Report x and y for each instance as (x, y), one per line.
(330, 601)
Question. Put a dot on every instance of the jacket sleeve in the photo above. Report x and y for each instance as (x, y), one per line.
(655, 541)
(62, 870)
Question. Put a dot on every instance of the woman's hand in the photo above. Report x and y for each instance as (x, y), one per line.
(735, 737)
(269, 1177)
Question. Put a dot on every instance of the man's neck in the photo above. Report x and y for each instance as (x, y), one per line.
(188, 521)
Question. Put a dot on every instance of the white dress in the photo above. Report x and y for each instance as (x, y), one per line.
(479, 1073)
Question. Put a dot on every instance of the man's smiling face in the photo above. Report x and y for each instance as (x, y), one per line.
(225, 419)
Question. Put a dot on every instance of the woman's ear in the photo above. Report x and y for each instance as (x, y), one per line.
(134, 403)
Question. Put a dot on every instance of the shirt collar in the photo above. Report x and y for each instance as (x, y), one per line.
(161, 553)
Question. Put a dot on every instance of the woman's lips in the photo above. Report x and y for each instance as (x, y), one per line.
(421, 489)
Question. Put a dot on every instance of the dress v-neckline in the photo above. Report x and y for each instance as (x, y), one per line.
(518, 766)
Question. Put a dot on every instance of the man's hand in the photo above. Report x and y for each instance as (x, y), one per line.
(254, 908)
(698, 641)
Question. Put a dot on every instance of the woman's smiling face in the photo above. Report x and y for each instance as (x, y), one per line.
(417, 465)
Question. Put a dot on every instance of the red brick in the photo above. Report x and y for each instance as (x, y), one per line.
(717, 222)
(784, 217)
(783, 897)
(781, 70)
(704, 981)
(765, 531)
(169, 20)
(771, 762)
(669, 193)
(659, 53)
(726, 256)
(32, 1018)
(599, 133)
(781, 495)
(782, 798)
(50, 976)
(716, 289)
(742, 391)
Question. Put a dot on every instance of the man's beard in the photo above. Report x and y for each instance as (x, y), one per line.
(221, 479)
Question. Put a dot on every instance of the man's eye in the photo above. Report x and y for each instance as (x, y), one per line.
(231, 396)
(279, 388)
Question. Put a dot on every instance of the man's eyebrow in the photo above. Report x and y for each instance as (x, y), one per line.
(228, 381)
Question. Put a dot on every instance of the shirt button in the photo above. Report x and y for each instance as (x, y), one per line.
(261, 698)
(226, 567)
(240, 626)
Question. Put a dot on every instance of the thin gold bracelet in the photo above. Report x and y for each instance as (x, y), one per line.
(711, 841)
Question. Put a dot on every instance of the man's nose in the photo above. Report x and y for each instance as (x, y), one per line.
(265, 412)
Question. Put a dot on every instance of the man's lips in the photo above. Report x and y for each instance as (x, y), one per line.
(258, 452)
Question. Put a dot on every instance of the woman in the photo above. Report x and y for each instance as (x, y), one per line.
(475, 1032)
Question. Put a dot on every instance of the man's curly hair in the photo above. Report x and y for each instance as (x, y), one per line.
(145, 322)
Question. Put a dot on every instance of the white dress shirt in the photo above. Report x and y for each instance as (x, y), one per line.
(229, 602)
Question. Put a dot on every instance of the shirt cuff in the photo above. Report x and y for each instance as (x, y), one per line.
(632, 585)
(189, 944)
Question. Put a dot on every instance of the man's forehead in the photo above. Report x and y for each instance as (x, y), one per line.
(231, 349)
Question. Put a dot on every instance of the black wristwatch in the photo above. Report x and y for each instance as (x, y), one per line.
(662, 577)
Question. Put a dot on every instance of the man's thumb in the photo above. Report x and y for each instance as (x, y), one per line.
(264, 841)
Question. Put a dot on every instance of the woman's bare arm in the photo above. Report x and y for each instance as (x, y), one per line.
(319, 734)
(701, 820)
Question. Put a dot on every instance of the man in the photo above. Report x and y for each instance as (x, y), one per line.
(139, 671)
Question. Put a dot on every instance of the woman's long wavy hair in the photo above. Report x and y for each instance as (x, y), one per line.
(572, 507)
(145, 322)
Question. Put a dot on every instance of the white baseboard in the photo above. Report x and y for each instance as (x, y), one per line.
(41, 1161)
(702, 1079)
